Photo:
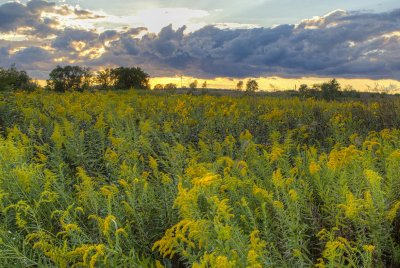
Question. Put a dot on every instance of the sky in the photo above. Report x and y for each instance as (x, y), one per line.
(282, 43)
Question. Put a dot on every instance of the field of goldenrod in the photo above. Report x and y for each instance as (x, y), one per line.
(160, 180)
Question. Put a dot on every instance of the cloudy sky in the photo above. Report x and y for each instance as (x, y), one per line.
(207, 39)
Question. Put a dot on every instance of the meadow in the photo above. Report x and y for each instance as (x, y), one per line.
(142, 179)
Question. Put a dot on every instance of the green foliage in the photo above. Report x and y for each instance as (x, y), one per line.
(69, 78)
(239, 85)
(14, 79)
(330, 90)
(126, 78)
(251, 85)
(158, 87)
(76, 78)
(193, 85)
(104, 79)
(143, 179)
(170, 86)
(307, 92)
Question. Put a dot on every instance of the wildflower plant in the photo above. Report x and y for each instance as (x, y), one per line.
(127, 179)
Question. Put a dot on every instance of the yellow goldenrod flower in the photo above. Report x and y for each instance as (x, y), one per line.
(222, 262)
(109, 190)
(207, 180)
(153, 164)
(395, 155)
(276, 153)
(369, 248)
(166, 179)
(57, 136)
(277, 179)
(352, 206)
(278, 204)
(392, 213)
(293, 195)
(158, 264)
(314, 168)
(257, 191)
(373, 178)
(341, 158)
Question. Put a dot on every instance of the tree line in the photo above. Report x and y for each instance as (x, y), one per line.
(77, 78)
(329, 91)
(251, 86)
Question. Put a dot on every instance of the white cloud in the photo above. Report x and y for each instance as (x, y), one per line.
(154, 19)
(236, 26)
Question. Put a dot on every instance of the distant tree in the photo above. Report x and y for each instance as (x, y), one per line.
(193, 85)
(239, 85)
(30, 86)
(330, 90)
(126, 78)
(14, 79)
(348, 88)
(303, 88)
(170, 86)
(306, 92)
(158, 87)
(104, 79)
(251, 85)
(204, 85)
(69, 78)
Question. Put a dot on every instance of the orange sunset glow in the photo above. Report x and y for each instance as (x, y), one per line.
(277, 83)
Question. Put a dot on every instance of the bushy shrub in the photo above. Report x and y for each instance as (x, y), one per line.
(12, 79)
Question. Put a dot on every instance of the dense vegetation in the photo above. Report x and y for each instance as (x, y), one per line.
(77, 78)
(128, 179)
(12, 79)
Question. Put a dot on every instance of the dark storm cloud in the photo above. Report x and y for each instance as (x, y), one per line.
(33, 59)
(14, 15)
(28, 18)
(339, 44)
(30, 56)
(66, 39)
